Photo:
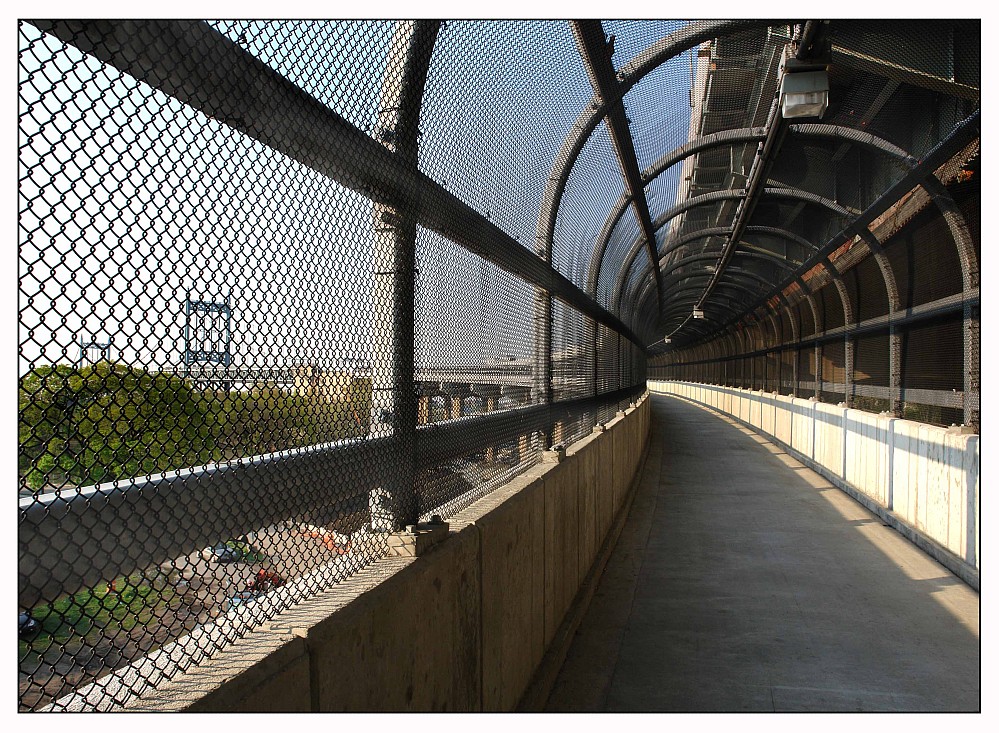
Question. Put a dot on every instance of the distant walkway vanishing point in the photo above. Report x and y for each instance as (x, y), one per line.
(744, 581)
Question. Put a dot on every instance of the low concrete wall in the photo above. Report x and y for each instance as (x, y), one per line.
(461, 628)
(921, 479)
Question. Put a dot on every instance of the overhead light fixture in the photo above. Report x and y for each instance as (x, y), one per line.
(804, 89)
(698, 313)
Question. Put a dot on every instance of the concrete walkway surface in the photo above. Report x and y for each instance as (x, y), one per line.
(744, 581)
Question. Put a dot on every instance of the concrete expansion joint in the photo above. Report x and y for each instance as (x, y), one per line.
(961, 430)
(417, 539)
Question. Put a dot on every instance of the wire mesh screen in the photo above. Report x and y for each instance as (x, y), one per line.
(593, 187)
(666, 88)
(318, 58)
(625, 238)
(474, 356)
(490, 97)
(276, 303)
(289, 287)
(168, 370)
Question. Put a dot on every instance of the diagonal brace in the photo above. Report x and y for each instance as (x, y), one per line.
(596, 53)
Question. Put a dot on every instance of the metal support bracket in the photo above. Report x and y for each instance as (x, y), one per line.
(417, 539)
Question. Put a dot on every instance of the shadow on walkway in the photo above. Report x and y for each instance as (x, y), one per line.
(745, 582)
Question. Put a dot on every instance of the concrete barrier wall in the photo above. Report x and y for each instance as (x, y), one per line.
(921, 479)
(461, 628)
(802, 426)
(829, 437)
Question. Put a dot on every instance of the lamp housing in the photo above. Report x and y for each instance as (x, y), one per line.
(804, 89)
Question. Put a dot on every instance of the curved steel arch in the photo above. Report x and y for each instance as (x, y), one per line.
(679, 277)
(680, 309)
(629, 75)
(728, 195)
(786, 234)
(721, 139)
(639, 301)
(648, 315)
(685, 307)
(772, 259)
(725, 231)
(722, 231)
(707, 319)
(707, 142)
(780, 192)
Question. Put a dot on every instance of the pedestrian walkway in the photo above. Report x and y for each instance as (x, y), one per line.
(743, 581)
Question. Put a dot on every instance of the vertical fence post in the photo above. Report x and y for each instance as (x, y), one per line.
(796, 338)
(542, 388)
(970, 280)
(848, 340)
(394, 402)
(817, 325)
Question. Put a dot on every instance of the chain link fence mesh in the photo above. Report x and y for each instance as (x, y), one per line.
(230, 392)
(288, 286)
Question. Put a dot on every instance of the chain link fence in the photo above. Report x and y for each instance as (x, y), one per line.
(277, 287)
(286, 287)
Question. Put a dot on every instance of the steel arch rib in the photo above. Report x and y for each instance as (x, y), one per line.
(721, 231)
(679, 277)
(772, 259)
(729, 137)
(734, 284)
(733, 137)
(931, 184)
(629, 75)
(643, 295)
(728, 194)
(717, 139)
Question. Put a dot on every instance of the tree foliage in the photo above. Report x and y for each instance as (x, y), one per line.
(107, 421)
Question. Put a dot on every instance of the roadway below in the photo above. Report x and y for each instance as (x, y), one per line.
(744, 581)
